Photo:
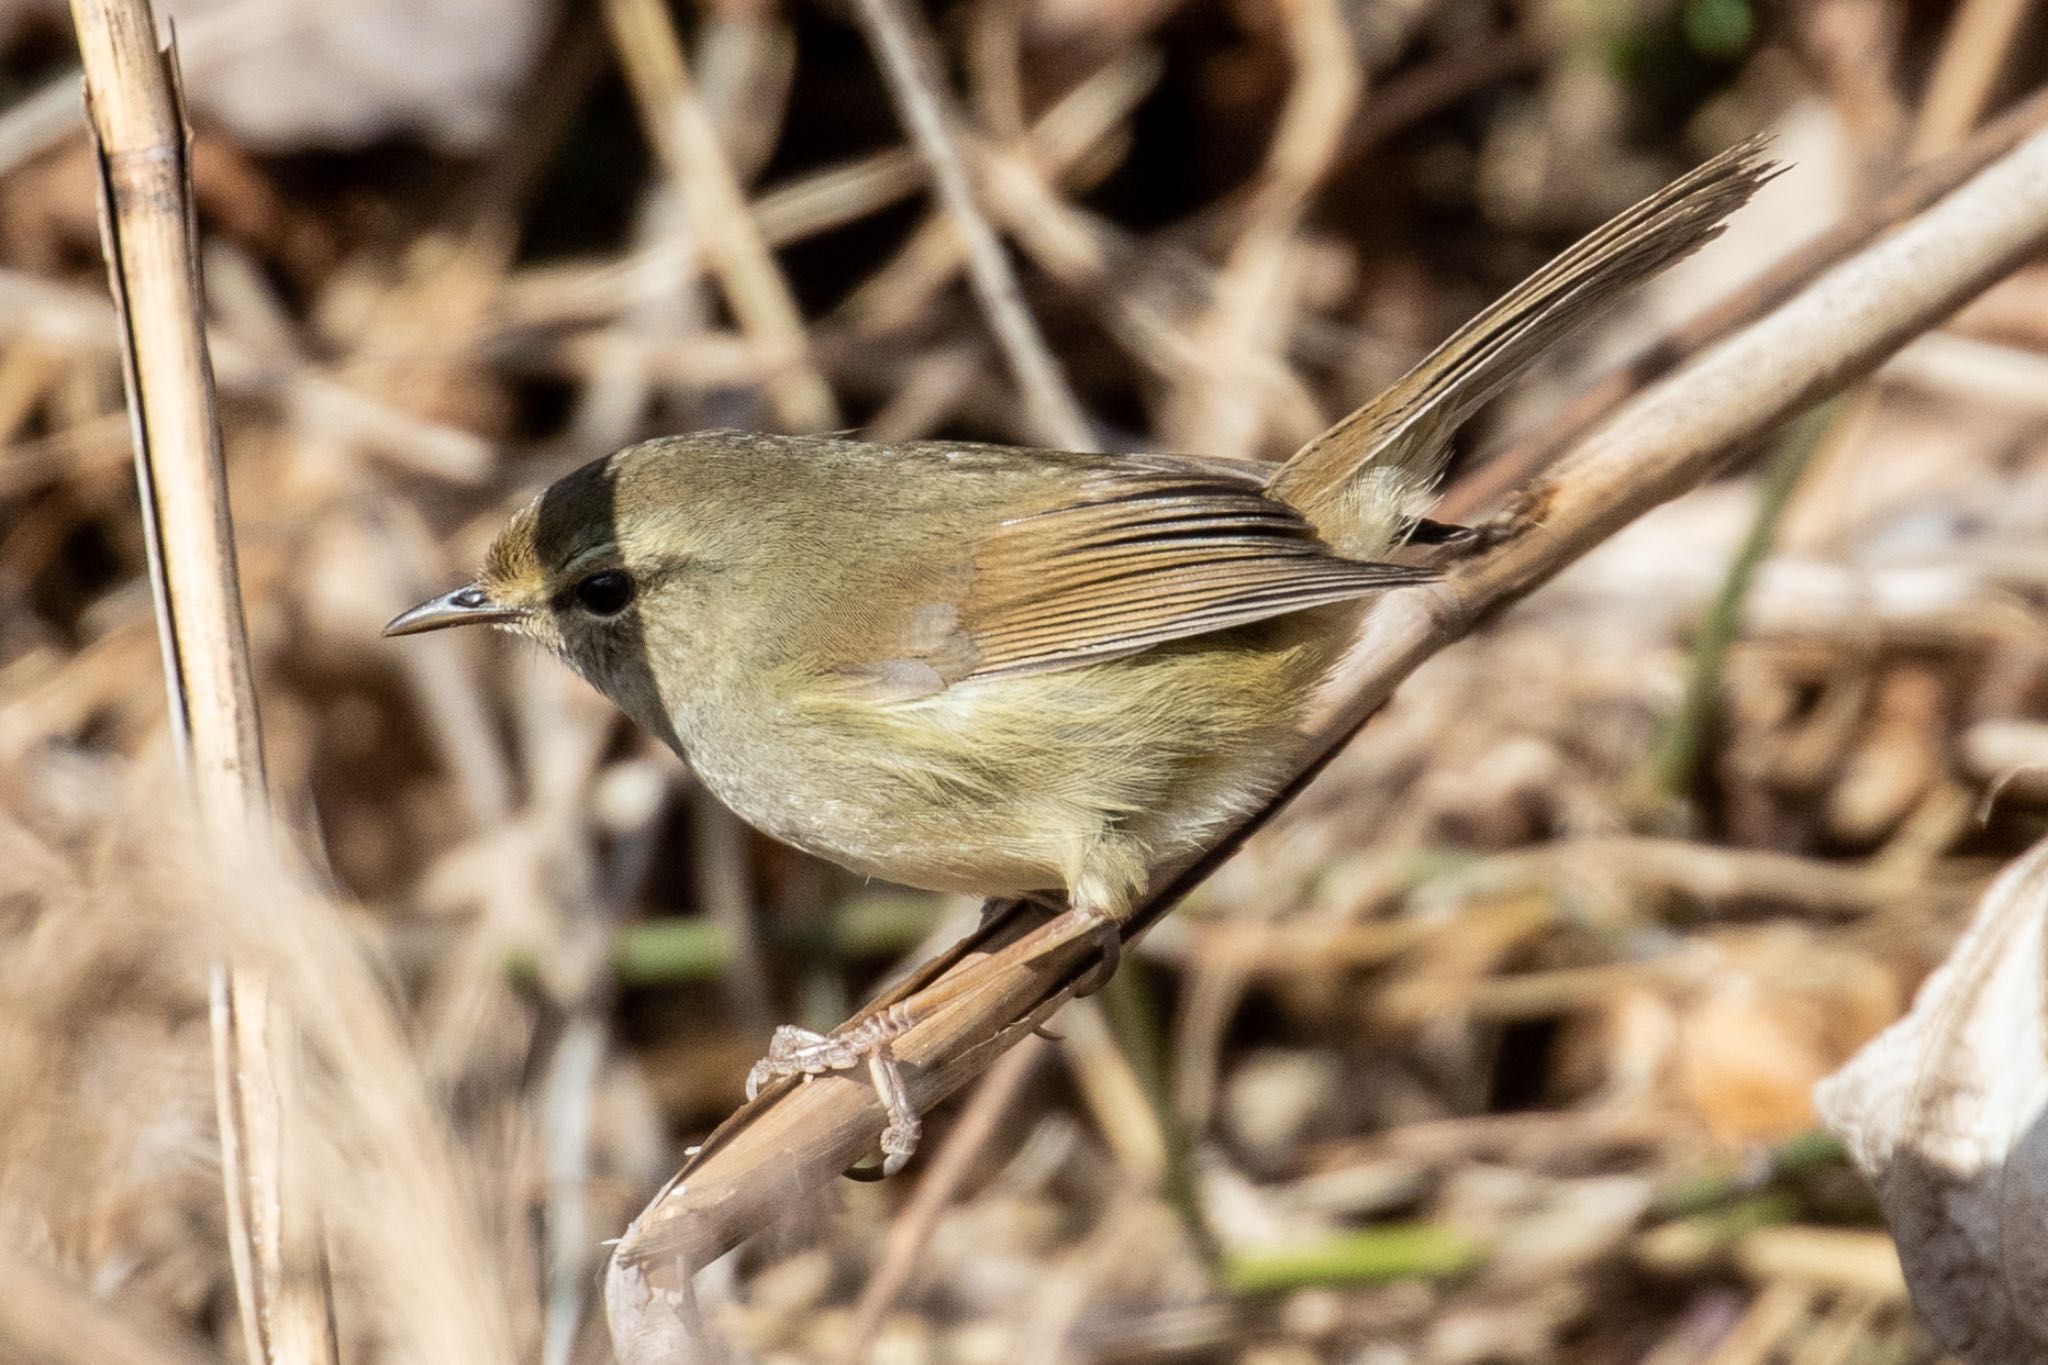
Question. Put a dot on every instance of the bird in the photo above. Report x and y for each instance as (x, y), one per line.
(1009, 671)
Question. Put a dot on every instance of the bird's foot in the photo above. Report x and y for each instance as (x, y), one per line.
(802, 1052)
(806, 1054)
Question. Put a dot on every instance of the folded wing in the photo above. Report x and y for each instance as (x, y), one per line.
(1123, 560)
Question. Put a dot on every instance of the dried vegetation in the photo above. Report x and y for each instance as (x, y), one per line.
(1499, 1047)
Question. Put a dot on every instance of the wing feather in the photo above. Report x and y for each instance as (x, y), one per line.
(1138, 557)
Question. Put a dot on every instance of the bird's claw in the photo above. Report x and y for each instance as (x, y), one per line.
(900, 1134)
(805, 1053)
(794, 1051)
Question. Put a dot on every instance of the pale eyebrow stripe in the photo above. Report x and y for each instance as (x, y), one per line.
(582, 559)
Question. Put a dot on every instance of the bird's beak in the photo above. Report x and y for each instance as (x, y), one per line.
(468, 605)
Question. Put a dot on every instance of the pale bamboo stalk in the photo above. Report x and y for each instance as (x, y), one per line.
(783, 1149)
(151, 243)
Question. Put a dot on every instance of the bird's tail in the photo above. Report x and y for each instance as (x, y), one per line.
(1359, 483)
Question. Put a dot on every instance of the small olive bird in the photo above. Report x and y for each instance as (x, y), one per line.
(1004, 671)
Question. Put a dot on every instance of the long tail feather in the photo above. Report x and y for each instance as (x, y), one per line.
(1356, 483)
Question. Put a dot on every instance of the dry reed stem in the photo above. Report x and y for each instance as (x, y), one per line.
(152, 268)
(687, 141)
(778, 1152)
(150, 237)
(903, 49)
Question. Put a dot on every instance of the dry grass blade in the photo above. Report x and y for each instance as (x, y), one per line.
(779, 1152)
(153, 268)
(903, 48)
(682, 132)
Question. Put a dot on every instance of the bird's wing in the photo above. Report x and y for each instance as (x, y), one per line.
(1118, 560)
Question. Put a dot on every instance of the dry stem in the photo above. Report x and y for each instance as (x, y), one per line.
(682, 133)
(903, 49)
(153, 270)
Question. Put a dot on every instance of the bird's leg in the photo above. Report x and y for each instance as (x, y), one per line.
(1101, 894)
(1102, 887)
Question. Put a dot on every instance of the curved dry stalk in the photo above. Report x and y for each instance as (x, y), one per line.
(779, 1152)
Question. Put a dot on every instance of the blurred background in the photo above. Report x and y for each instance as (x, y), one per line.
(1499, 1047)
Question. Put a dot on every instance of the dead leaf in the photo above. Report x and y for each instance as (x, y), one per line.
(1947, 1113)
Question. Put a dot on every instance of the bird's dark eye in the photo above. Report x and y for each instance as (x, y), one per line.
(606, 593)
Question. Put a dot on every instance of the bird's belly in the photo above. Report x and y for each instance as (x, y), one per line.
(998, 786)
(876, 820)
